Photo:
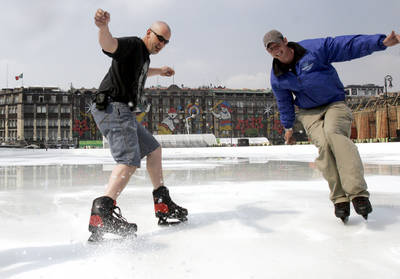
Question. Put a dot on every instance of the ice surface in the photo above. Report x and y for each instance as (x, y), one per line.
(255, 212)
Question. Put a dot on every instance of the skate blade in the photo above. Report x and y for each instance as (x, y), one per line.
(345, 219)
(95, 237)
(365, 217)
(99, 239)
(166, 223)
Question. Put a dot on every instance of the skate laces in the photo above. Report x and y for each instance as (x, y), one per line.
(118, 214)
(168, 201)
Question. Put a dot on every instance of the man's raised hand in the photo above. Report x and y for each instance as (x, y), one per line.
(392, 39)
(101, 18)
(167, 71)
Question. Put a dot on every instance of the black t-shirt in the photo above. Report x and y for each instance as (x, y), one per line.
(126, 77)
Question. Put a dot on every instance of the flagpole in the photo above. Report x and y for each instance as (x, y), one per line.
(7, 75)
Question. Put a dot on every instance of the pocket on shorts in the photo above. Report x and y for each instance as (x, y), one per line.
(101, 116)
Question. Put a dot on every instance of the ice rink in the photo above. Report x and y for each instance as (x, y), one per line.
(254, 212)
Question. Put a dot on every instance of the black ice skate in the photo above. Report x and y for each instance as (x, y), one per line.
(166, 209)
(342, 211)
(362, 206)
(104, 219)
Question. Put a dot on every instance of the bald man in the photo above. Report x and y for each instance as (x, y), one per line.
(114, 108)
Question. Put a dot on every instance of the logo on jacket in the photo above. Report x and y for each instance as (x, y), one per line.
(307, 66)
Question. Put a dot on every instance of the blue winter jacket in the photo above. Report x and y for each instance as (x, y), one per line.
(316, 81)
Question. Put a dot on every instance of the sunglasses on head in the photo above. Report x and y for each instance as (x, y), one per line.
(160, 38)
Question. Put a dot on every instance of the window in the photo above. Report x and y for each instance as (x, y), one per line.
(165, 102)
(53, 109)
(65, 109)
(41, 99)
(16, 99)
(39, 109)
(28, 122)
(12, 123)
(28, 109)
(29, 99)
(28, 134)
(53, 99)
(12, 109)
(65, 99)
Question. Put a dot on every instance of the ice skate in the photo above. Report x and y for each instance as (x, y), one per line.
(167, 212)
(104, 219)
(342, 211)
(362, 206)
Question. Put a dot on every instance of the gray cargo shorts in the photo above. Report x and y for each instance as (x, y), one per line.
(129, 141)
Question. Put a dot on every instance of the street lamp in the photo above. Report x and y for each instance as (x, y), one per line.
(388, 82)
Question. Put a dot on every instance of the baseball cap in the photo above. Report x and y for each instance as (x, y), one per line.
(273, 36)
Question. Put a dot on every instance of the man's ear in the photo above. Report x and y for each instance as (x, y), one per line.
(148, 32)
(285, 41)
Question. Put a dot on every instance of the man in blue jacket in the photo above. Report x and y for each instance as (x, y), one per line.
(302, 75)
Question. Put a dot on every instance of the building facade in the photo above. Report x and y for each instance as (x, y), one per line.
(226, 113)
(35, 115)
(367, 90)
(50, 117)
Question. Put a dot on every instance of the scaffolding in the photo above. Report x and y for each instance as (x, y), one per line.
(371, 117)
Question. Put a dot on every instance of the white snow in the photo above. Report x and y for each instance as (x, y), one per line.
(255, 212)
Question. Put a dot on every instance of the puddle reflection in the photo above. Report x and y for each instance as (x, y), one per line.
(176, 172)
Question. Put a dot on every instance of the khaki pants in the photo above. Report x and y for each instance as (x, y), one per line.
(329, 129)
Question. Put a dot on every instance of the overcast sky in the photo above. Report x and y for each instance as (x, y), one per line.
(54, 42)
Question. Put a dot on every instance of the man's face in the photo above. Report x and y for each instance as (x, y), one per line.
(158, 38)
(280, 51)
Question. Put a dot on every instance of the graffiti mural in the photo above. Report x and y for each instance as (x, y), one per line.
(250, 125)
(223, 114)
(277, 127)
(168, 125)
(80, 127)
(140, 116)
(193, 118)
(84, 126)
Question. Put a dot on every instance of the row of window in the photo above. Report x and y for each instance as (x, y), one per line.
(42, 99)
(363, 92)
(14, 99)
(209, 102)
(12, 123)
(9, 99)
(40, 135)
(39, 109)
(42, 122)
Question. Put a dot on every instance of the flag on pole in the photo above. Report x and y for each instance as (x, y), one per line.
(21, 75)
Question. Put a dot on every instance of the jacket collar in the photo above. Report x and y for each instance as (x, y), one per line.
(280, 68)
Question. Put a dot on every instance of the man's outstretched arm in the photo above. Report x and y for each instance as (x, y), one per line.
(163, 71)
(106, 40)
